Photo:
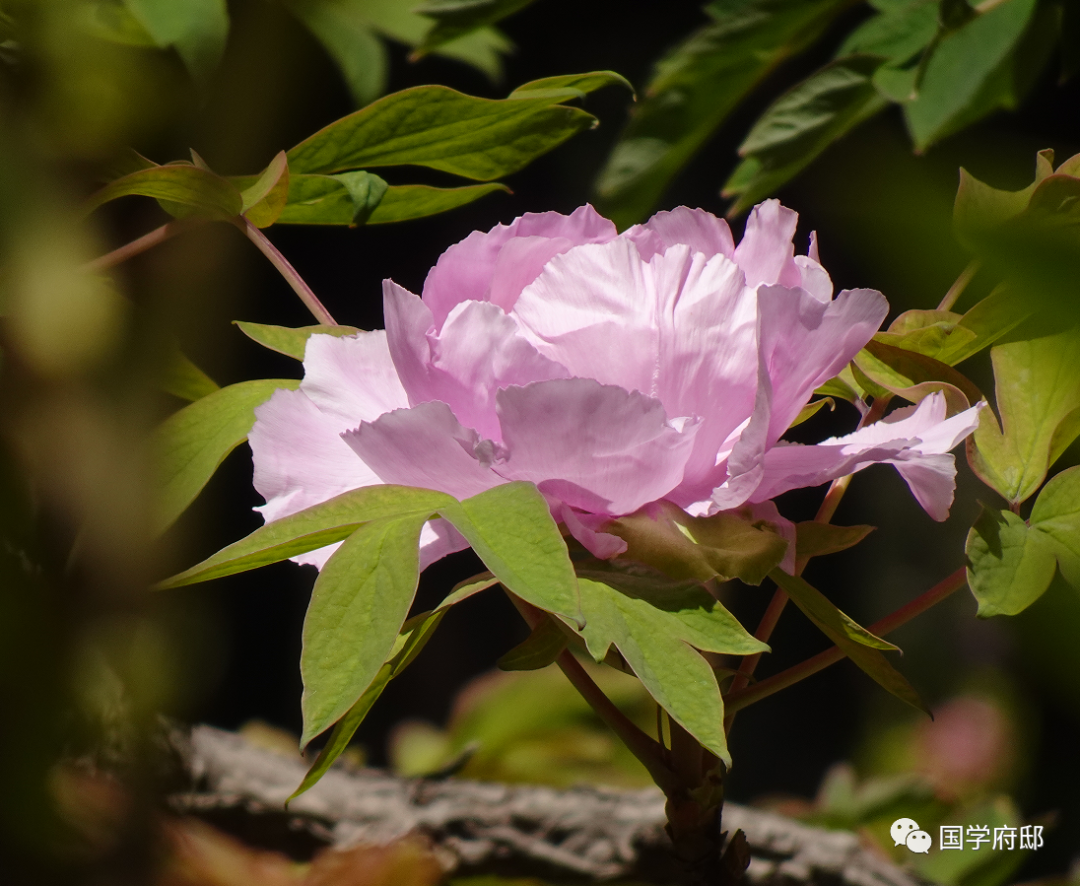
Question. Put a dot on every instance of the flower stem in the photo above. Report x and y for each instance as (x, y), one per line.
(141, 244)
(307, 296)
(736, 701)
(957, 289)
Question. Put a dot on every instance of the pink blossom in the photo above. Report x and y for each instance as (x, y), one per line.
(611, 370)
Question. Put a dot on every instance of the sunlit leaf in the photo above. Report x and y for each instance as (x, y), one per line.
(410, 641)
(265, 198)
(655, 642)
(899, 33)
(802, 123)
(813, 408)
(912, 375)
(192, 443)
(201, 191)
(404, 202)
(287, 340)
(694, 89)
(1056, 517)
(579, 83)
(358, 605)
(858, 644)
(979, 207)
(438, 127)
(312, 528)
(1037, 387)
(1009, 565)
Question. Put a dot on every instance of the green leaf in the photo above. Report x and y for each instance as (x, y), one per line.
(579, 83)
(411, 640)
(727, 545)
(365, 191)
(358, 605)
(405, 202)
(1037, 388)
(265, 198)
(966, 75)
(185, 380)
(538, 650)
(912, 375)
(1056, 518)
(1008, 565)
(111, 20)
(202, 192)
(323, 200)
(802, 123)
(980, 208)
(811, 409)
(440, 128)
(653, 630)
(898, 34)
(814, 539)
(854, 641)
(511, 529)
(287, 340)
(196, 28)
(693, 90)
(312, 528)
(193, 442)
(453, 18)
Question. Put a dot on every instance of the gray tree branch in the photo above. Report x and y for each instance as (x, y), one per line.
(583, 834)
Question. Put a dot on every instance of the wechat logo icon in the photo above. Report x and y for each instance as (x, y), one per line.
(905, 832)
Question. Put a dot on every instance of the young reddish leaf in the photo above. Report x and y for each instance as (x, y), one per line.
(199, 191)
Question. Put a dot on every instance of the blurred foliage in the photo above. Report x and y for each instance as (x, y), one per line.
(945, 63)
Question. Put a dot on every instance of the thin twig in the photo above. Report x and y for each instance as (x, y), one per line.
(736, 701)
(143, 243)
(292, 277)
(957, 289)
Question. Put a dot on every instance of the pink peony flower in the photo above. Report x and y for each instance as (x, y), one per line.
(611, 370)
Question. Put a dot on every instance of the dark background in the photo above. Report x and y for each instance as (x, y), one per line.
(883, 217)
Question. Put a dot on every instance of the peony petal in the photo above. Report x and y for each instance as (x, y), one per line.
(766, 254)
(915, 439)
(602, 545)
(352, 378)
(466, 271)
(425, 446)
(700, 230)
(408, 322)
(595, 447)
(805, 342)
(593, 310)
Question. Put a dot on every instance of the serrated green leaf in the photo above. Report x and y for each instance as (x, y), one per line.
(511, 529)
(653, 643)
(1037, 387)
(536, 651)
(287, 340)
(858, 644)
(966, 75)
(1008, 566)
(694, 89)
(312, 528)
(1055, 517)
(411, 640)
(265, 197)
(802, 123)
(454, 18)
(185, 380)
(197, 29)
(912, 375)
(323, 200)
(814, 539)
(202, 192)
(443, 129)
(727, 545)
(192, 443)
(358, 605)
